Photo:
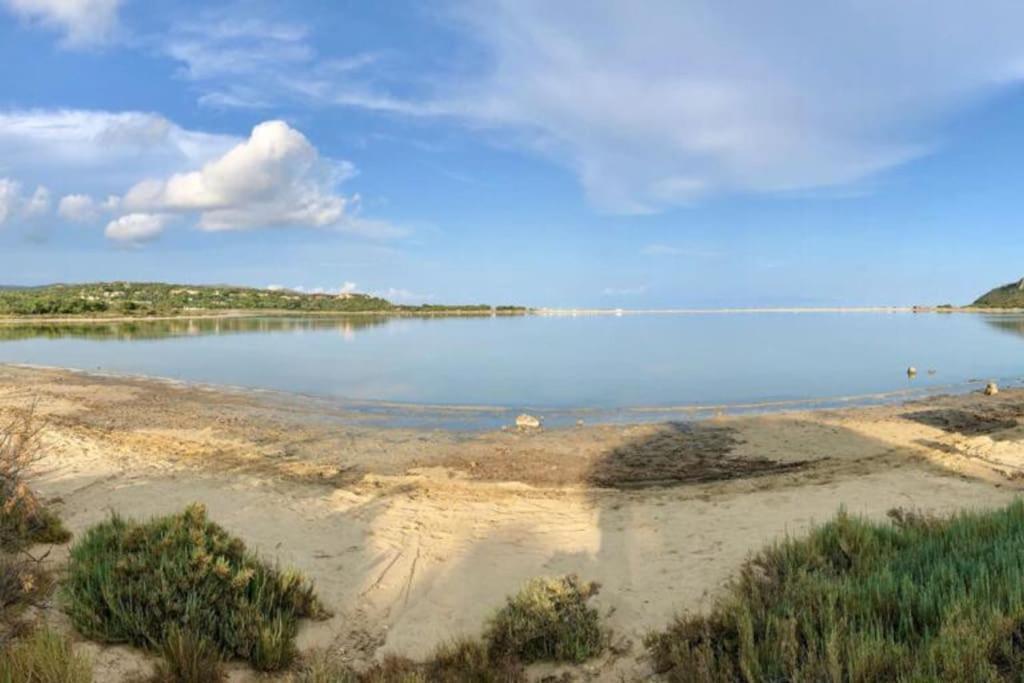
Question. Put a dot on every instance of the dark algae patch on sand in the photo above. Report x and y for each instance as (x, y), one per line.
(919, 599)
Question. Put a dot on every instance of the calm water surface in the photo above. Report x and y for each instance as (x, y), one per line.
(605, 363)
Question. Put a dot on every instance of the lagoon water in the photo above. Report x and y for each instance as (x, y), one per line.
(631, 363)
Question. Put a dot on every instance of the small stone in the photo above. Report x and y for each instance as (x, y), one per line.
(991, 389)
(579, 423)
(525, 421)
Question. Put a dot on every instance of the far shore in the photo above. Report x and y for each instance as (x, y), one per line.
(472, 313)
(256, 313)
(415, 535)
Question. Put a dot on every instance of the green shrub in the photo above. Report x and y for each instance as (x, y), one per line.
(547, 620)
(43, 657)
(128, 582)
(922, 599)
(188, 658)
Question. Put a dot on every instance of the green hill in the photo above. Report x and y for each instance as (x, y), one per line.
(1008, 296)
(154, 298)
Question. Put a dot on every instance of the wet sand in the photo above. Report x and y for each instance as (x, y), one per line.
(414, 536)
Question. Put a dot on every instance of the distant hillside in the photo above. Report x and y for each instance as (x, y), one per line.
(1007, 296)
(153, 298)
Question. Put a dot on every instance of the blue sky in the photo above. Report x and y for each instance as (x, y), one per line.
(579, 153)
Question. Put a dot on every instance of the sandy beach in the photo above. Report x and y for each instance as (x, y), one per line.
(414, 536)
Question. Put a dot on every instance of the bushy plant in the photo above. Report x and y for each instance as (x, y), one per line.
(549, 619)
(43, 657)
(923, 599)
(23, 519)
(129, 582)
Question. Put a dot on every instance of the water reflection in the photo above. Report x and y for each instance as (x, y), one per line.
(1011, 324)
(544, 364)
(141, 330)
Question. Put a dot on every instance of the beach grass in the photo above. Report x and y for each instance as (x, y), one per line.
(187, 657)
(917, 599)
(128, 582)
(44, 656)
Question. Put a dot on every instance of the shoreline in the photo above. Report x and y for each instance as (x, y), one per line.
(206, 314)
(414, 536)
(253, 313)
(472, 417)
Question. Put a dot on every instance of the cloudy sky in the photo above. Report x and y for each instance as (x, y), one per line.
(572, 153)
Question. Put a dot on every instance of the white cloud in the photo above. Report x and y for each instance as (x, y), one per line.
(10, 197)
(38, 204)
(347, 288)
(14, 205)
(275, 178)
(136, 228)
(78, 208)
(83, 22)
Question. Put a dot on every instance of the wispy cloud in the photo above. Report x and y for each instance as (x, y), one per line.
(404, 296)
(89, 151)
(258, 63)
(624, 291)
(664, 103)
(83, 23)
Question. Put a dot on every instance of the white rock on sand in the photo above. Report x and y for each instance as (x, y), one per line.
(525, 421)
(991, 389)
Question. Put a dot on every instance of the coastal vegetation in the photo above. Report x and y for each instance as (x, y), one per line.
(129, 582)
(44, 656)
(161, 299)
(549, 619)
(28, 654)
(920, 599)
(1010, 295)
(24, 520)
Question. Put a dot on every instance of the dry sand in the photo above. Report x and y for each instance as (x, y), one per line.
(415, 536)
